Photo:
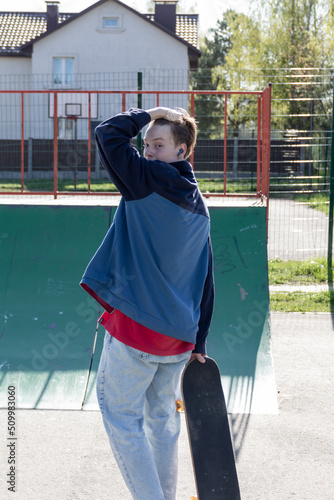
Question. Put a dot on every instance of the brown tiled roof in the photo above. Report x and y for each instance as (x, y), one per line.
(186, 27)
(18, 28)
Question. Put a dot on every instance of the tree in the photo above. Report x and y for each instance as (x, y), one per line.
(281, 41)
(232, 47)
(243, 68)
(294, 40)
(214, 49)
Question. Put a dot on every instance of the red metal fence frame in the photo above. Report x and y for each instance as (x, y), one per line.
(263, 135)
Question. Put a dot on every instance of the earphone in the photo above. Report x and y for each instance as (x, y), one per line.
(180, 152)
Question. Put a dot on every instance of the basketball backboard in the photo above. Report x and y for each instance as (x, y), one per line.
(74, 104)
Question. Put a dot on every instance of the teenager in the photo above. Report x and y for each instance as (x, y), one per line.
(153, 276)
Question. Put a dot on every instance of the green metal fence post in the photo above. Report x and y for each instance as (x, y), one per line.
(331, 205)
(139, 104)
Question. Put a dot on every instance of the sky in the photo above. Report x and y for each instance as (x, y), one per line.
(209, 10)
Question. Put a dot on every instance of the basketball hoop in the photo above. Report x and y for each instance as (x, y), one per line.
(72, 117)
(74, 106)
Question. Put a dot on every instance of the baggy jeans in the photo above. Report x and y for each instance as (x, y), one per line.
(137, 392)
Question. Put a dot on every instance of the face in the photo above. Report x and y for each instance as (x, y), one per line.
(159, 145)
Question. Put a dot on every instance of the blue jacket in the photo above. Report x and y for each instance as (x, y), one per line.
(155, 262)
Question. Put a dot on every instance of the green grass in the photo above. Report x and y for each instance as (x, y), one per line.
(63, 185)
(217, 186)
(318, 201)
(298, 272)
(205, 185)
(308, 272)
(302, 302)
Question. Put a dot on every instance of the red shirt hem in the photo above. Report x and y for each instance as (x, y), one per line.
(140, 337)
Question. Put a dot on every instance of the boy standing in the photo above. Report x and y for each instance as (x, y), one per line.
(153, 276)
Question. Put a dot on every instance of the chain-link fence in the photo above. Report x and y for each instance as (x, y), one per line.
(301, 109)
(301, 122)
(48, 135)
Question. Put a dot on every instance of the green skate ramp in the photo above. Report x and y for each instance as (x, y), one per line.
(48, 323)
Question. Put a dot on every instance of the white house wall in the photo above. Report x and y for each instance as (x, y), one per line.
(13, 66)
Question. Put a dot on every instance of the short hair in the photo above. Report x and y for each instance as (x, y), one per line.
(184, 131)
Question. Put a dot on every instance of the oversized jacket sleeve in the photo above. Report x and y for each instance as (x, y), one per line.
(206, 308)
(131, 173)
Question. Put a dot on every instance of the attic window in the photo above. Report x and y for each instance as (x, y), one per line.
(110, 23)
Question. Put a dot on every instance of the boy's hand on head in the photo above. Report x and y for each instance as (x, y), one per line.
(172, 115)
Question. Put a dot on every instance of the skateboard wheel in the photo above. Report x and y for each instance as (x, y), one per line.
(179, 406)
(193, 498)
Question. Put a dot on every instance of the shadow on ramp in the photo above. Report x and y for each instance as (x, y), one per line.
(48, 323)
(240, 334)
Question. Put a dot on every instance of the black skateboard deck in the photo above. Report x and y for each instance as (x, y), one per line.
(209, 432)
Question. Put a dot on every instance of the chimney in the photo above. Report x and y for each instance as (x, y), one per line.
(165, 13)
(52, 15)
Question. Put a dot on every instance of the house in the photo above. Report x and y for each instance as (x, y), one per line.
(109, 36)
(106, 46)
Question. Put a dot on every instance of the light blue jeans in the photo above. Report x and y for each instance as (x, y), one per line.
(137, 392)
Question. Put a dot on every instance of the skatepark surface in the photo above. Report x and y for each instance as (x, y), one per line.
(65, 455)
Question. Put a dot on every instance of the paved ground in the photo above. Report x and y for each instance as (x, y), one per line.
(300, 288)
(64, 455)
(296, 231)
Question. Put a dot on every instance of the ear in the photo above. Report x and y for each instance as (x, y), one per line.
(183, 146)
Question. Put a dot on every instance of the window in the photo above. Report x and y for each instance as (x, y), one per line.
(63, 71)
(110, 23)
(66, 129)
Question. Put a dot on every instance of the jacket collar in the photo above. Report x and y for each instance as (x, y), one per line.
(184, 167)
